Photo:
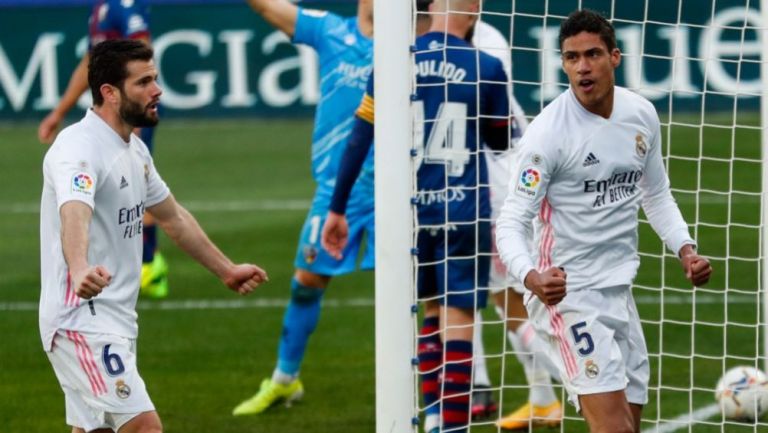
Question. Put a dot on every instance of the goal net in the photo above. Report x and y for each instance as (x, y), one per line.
(702, 64)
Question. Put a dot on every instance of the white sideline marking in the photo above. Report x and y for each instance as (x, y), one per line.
(209, 304)
(685, 420)
(193, 205)
(239, 304)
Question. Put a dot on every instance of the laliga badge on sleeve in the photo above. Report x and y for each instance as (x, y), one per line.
(83, 183)
(528, 183)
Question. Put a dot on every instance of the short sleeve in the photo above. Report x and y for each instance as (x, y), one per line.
(312, 27)
(72, 178)
(157, 189)
(496, 85)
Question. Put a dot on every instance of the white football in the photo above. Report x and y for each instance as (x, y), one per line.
(742, 393)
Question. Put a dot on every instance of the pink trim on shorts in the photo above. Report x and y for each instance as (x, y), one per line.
(88, 363)
(558, 328)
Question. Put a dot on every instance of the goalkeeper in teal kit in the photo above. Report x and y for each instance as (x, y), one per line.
(345, 51)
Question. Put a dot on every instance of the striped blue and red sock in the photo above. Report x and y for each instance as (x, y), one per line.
(430, 353)
(457, 381)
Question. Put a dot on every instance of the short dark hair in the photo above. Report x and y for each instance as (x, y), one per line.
(589, 21)
(108, 60)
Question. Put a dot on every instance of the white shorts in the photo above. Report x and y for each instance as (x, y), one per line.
(97, 372)
(596, 340)
(498, 278)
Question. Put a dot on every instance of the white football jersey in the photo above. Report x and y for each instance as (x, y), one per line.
(491, 41)
(90, 162)
(584, 178)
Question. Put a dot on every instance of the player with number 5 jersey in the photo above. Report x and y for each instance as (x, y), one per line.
(587, 163)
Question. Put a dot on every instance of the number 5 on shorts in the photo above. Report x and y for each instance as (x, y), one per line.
(585, 337)
(112, 362)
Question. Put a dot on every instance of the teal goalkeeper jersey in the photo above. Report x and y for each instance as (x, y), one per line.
(345, 57)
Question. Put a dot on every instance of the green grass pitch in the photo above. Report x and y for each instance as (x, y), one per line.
(248, 182)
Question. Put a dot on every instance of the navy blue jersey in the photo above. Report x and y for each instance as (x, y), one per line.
(461, 95)
(116, 19)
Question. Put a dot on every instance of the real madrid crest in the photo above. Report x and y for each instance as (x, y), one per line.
(122, 389)
(536, 159)
(640, 145)
(591, 369)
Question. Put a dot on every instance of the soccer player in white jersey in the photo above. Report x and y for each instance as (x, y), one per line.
(586, 164)
(99, 179)
(543, 407)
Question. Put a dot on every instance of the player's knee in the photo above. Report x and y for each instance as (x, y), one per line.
(310, 279)
(303, 294)
(617, 426)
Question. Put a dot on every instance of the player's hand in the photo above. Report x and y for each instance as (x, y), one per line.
(89, 282)
(548, 286)
(335, 234)
(244, 278)
(697, 269)
(46, 132)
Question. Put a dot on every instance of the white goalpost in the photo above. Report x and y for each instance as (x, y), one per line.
(704, 65)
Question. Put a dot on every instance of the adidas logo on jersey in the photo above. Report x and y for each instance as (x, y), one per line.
(123, 182)
(591, 160)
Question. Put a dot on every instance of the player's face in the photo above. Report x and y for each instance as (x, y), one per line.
(590, 69)
(140, 95)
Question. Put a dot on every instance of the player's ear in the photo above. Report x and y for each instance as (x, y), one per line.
(615, 58)
(110, 93)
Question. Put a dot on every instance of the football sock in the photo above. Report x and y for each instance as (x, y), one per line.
(430, 353)
(150, 243)
(457, 378)
(299, 321)
(480, 374)
(541, 392)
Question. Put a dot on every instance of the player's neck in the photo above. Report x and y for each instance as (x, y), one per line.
(365, 22)
(450, 25)
(114, 121)
(603, 107)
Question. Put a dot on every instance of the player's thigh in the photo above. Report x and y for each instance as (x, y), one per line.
(426, 268)
(581, 332)
(146, 422)
(635, 353)
(310, 255)
(98, 375)
(607, 412)
(465, 265)
(362, 230)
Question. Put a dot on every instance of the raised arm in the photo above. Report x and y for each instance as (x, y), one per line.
(78, 83)
(87, 280)
(281, 14)
(185, 231)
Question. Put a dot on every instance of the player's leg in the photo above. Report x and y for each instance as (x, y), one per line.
(483, 404)
(154, 268)
(467, 270)
(607, 412)
(103, 390)
(543, 407)
(314, 270)
(430, 354)
(145, 422)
